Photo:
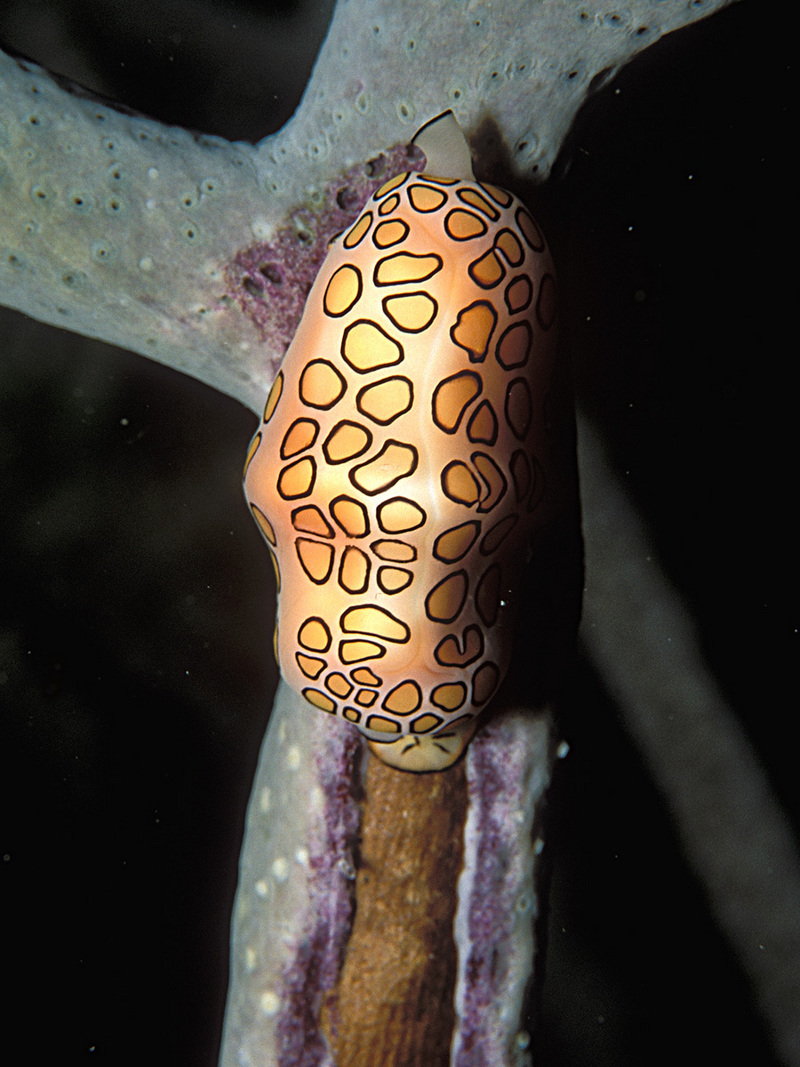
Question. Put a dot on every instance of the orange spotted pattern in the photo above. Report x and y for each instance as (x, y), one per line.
(402, 461)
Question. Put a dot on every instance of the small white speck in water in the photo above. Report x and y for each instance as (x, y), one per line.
(280, 869)
(524, 904)
(562, 750)
(293, 757)
(347, 868)
(522, 1040)
(262, 229)
(269, 1002)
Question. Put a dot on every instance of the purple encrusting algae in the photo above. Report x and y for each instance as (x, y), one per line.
(498, 893)
(271, 279)
(315, 966)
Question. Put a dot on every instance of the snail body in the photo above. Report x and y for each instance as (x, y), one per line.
(401, 464)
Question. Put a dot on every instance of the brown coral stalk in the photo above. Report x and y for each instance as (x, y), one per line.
(393, 1003)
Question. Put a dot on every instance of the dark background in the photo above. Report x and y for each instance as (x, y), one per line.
(136, 597)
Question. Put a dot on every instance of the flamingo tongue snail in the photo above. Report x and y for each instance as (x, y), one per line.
(402, 464)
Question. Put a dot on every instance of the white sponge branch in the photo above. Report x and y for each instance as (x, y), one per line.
(199, 252)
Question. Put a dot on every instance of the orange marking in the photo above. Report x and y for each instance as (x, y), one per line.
(366, 347)
(412, 312)
(394, 551)
(407, 267)
(364, 676)
(394, 579)
(389, 233)
(389, 205)
(346, 441)
(394, 462)
(484, 682)
(310, 520)
(452, 654)
(251, 451)
(449, 696)
(473, 328)
(400, 515)
(263, 523)
(320, 700)
(454, 544)
(482, 426)
(474, 199)
(273, 397)
(351, 516)
(514, 346)
(487, 595)
(462, 225)
(446, 599)
(310, 665)
(338, 685)
(321, 385)
(386, 400)
(509, 245)
(316, 559)
(354, 570)
(494, 478)
(297, 480)
(425, 199)
(378, 622)
(519, 407)
(314, 635)
(356, 651)
(301, 435)
(343, 291)
(452, 397)
(500, 196)
(460, 484)
(366, 697)
(530, 231)
(383, 725)
(487, 270)
(404, 699)
(519, 293)
(359, 230)
(387, 187)
(425, 723)
(498, 533)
